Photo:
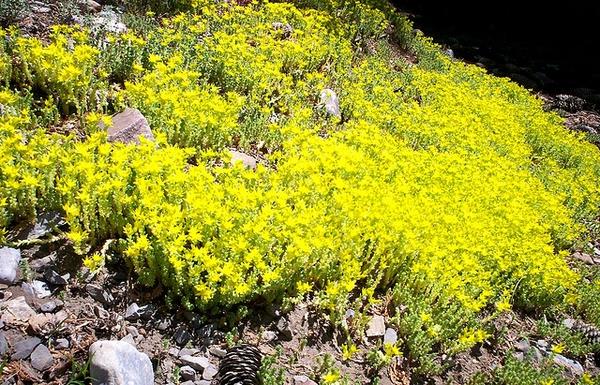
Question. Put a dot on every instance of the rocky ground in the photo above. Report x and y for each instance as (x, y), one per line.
(61, 323)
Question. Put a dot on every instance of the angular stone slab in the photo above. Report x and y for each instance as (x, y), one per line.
(128, 126)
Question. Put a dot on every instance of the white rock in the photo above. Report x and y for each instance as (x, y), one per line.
(119, 363)
(330, 101)
(37, 289)
(247, 160)
(376, 327)
(9, 265)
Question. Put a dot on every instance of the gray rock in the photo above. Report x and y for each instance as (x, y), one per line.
(188, 352)
(283, 327)
(286, 29)
(41, 358)
(390, 336)
(303, 380)
(542, 344)
(210, 372)
(51, 306)
(330, 101)
(17, 310)
(585, 258)
(131, 314)
(62, 344)
(3, 345)
(52, 277)
(99, 294)
(9, 265)
(36, 289)
(376, 327)
(247, 160)
(573, 366)
(188, 383)
(174, 352)
(182, 336)
(198, 363)
(523, 346)
(128, 126)
(187, 373)
(45, 224)
(41, 264)
(119, 363)
(449, 52)
(520, 356)
(203, 382)
(23, 348)
(217, 351)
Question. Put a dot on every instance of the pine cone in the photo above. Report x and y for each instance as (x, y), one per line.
(240, 366)
(590, 332)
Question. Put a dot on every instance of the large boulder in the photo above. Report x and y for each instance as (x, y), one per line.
(119, 363)
(128, 126)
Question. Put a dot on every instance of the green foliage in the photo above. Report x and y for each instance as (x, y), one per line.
(574, 342)
(270, 372)
(12, 10)
(517, 372)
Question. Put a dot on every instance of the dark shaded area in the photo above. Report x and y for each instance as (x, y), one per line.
(546, 47)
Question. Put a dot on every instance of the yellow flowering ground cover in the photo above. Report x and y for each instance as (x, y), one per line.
(442, 185)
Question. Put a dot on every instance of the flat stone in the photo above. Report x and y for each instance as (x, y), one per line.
(119, 363)
(41, 358)
(54, 278)
(62, 344)
(585, 258)
(41, 263)
(174, 352)
(210, 372)
(187, 373)
(217, 351)
(188, 352)
(9, 265)
(573, 366)
(132, 330)
(198, 363)
(203, 382)
(390, 337)
(3, 345)
(99, 294)
(376, 327)
(90, 5)
(569, 323)
(128, 126)
(39, 321)
(36, 289)
(163, 325)
(188, 383)
(17, 310)
(330, 101)
(247, 160)
(23, 348)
